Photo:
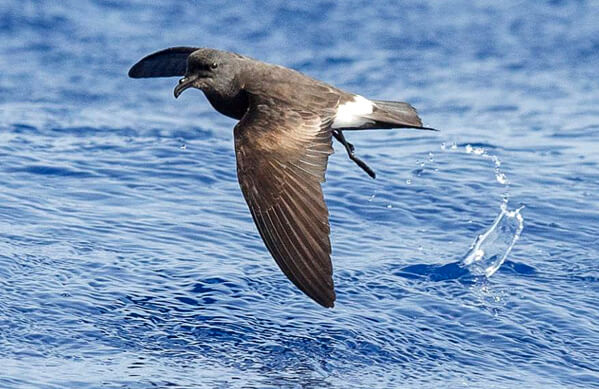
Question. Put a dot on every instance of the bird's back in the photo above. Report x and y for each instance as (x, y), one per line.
(290, 87)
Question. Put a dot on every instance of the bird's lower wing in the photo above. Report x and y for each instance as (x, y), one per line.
(169, 62)
(282, 156)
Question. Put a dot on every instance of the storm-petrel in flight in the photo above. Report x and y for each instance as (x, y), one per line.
(282, 143)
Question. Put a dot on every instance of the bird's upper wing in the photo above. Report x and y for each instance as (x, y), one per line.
(164, 63)
(282, 156)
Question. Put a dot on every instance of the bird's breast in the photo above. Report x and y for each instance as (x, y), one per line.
(231, 106)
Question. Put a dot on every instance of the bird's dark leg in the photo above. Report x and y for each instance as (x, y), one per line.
(350, 152)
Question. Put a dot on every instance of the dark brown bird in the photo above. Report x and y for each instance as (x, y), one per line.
(282, 143)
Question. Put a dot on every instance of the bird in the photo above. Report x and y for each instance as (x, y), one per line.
(283, 139)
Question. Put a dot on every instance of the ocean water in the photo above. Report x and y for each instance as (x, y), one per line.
(128, 258)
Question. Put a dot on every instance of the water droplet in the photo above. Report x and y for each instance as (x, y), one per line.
(501, 178)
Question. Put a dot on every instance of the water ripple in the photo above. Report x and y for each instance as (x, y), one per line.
(128, 257)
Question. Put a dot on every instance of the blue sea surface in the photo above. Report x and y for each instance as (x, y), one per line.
(128, 257)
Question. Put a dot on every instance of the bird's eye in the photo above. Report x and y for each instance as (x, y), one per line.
(214, 65)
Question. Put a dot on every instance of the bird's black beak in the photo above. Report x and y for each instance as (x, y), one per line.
(184, 83)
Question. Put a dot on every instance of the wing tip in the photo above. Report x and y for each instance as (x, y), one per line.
(144, 67)
(326, 300)
(135, 71)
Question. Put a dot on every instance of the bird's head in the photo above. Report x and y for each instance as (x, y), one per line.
(212, 71)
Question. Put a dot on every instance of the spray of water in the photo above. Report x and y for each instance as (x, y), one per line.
(490, 249)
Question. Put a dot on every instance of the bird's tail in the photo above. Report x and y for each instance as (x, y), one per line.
(395, 114)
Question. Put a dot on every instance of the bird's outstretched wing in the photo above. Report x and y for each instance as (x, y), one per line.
(164, 63)
(282, 156)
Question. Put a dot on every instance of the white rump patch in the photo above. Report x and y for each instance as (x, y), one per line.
(352, 113)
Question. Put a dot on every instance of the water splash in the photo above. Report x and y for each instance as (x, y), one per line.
(490, 249)
(499, 175)
(482, 152)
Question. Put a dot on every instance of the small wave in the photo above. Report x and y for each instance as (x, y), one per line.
(435, 272)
